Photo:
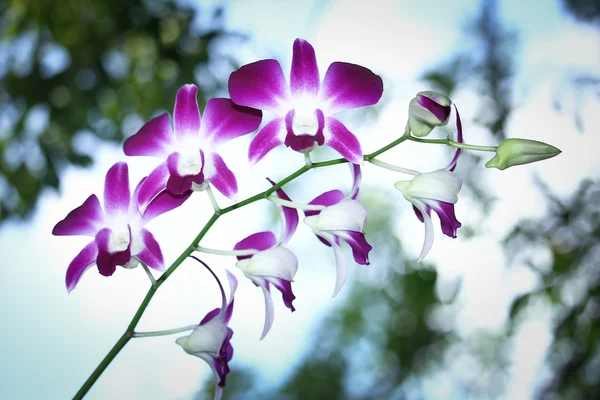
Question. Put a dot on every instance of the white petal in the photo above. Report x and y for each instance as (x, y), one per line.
(428, 242)
(276, 262)
(207, 338)
(439, 185)
(269, 312)
(340, 268)
(347, 215)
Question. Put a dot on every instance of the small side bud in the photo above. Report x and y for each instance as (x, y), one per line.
(520, 151)
(426, 111)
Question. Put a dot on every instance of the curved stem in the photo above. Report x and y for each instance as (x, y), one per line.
(164, 332)
(236, 253)
(288, 203)
(452, 143)
(129, 332)
(395, 168)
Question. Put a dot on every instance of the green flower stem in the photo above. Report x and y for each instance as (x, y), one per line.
(149, 274)
(395, 168)
(130, 331)
(236, 253)
(452, 143)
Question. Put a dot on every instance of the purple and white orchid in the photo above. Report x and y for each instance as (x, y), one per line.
(118, 230)
(343, 218)
(306, 106)
(437, 191)
(189, 148)
(273, 263)
(210, 340)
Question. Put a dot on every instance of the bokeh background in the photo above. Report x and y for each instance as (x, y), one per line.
(508, 310)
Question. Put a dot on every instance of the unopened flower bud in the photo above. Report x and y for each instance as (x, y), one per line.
(521, 151)
(426, 111)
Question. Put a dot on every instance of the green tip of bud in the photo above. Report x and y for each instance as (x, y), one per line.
(513, 152)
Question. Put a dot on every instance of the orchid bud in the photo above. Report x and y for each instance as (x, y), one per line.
(426, 111)
(520, 151)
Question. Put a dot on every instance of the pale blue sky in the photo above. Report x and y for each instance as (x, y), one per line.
(52, 341)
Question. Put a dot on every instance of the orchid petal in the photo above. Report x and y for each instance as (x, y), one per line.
(285, 287)
(151, 254)
(358, 243)
(328, 198)
(419, 214)
(176, 183)
(155, 183)
(224, 120)
(233, 283)
(304, 78)
(212, 314)
(84, 220)
(439, 185)
(304, 141)
(452, 164)
(276, 262)
(186, 116)
(108, 261)
(340, 268)
(448, 221)
(428, 241)
(259, 85)
(289, 217)
(116, 189)
(222, 178)
(269, 137)
(347, 215)
(258, 241)
(356, 179)
(343, 141)
(155, 138)
(81, 263)
(348, 86)
(269, 311)
(163, 203)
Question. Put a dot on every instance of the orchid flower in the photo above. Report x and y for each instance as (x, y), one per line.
(306, 107)
(343, 218)
(189, 148)
(437, 191)
(273, 263)
(118, 230)
(210, 340)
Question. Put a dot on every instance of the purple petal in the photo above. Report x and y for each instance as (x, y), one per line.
(269, 312)
(155, 183)
(233, 283)
(356, 178)
(269, 137)
(290, 217)
(326, 199)
(116, 189)
(285, 287)
(164, 202)
(301, 142)
(348, 86)
(447, 218)
(176, 183)
(258, 241)
(151, 254)
(419, 214)
(304, 78)
(224, 120)
(186, 116)
(106, 261)
(452, 164)
(210, 316)
(359, 245)
(343, 141)
(153, 139)
(81, 263)
(223, 179)
(84, 220)
(440, 111)
(259, 85)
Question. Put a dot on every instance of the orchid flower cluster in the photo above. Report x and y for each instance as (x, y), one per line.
(303, 113)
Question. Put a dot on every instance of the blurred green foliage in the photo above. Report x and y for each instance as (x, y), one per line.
(76, 70)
